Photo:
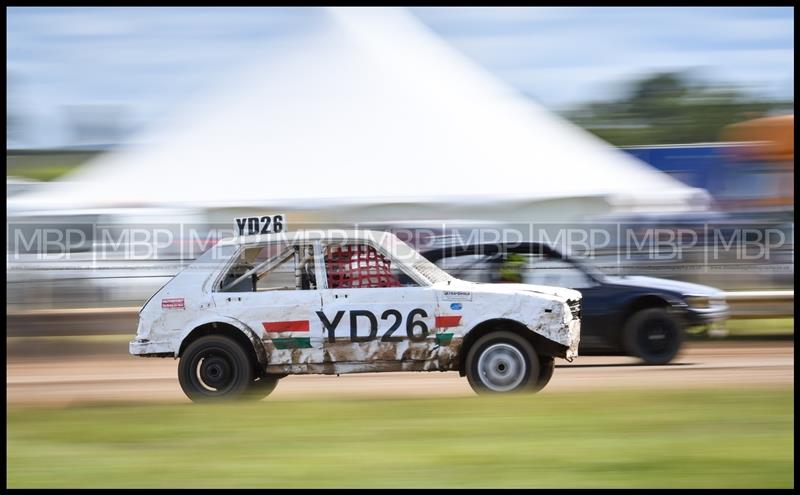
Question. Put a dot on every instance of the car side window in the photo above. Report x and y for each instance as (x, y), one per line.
(542, 270)
(271, 267)
(360, 265)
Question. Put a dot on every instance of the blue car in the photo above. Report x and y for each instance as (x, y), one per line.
(637, 316)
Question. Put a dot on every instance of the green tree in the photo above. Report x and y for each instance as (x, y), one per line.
(670, 108)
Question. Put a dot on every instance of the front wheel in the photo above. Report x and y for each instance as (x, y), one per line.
(654, 335)
(546, 367)
(501, 362)
(215, 368)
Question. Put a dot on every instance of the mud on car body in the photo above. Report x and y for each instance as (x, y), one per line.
(256, 308)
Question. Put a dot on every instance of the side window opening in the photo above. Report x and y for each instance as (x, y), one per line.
(271, 267)
(362, 266)
(471, 267)
(545, 270)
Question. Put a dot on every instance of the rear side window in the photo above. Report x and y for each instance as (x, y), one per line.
(360, 265)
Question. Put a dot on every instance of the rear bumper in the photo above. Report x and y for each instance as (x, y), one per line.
(144, 347)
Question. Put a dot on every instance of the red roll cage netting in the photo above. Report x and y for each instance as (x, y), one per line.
(358, 266)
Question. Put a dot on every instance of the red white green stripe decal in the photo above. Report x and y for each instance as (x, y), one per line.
(288, 326)
(446, 321)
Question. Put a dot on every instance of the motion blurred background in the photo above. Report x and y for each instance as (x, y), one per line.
(136, 135)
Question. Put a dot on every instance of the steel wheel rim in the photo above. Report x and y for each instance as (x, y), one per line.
(214, 372)
(502, 367)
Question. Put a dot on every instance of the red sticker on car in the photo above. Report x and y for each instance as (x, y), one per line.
(447, 321)
(173, 303)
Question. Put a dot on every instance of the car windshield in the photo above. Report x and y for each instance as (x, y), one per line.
(405, 254)
(588, 267)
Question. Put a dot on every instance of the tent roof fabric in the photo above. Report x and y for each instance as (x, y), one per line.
(370, 107)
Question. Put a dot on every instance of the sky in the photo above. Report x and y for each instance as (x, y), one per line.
(141, 63)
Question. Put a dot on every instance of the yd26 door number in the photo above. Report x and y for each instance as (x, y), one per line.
(416, 330)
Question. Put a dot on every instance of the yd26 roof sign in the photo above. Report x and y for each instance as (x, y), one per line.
(257, 225)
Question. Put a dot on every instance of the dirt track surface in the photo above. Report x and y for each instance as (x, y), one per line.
(74, 380)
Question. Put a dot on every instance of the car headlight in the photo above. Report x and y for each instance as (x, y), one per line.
(698, 302)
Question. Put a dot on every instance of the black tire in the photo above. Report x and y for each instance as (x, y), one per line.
(215, 368)
(261, 387)
(654, 335)
(502, 362)
(546, 367)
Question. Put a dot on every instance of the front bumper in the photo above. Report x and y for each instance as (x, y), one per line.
(574, 339)
(707, 316)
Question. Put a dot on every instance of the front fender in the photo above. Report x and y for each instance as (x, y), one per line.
(673, 302)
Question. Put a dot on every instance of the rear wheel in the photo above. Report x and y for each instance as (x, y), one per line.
(501, 362)
(654, 335)
(215, 368)
(261, 387)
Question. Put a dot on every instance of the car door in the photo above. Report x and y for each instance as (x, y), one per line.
(602, 306)
(373, 312)
(280, 305)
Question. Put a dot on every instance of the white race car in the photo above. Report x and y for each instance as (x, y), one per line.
(256, 308)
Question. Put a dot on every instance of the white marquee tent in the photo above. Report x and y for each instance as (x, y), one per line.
(371, 116)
